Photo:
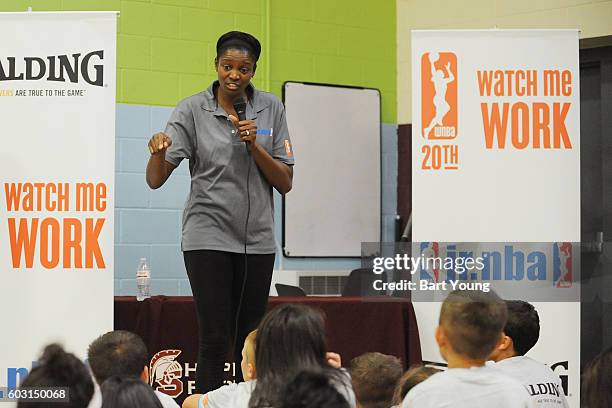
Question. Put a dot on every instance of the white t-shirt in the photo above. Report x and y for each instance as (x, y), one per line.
(541, 382)
(475, 387)
(231, 395)
(237, 395)
(166, 400)
(96, 399)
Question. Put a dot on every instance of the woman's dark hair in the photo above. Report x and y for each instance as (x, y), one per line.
(58, 368)
(290, 339)
(237, 40)
(597, 381)
(128, 392)
(312, 390)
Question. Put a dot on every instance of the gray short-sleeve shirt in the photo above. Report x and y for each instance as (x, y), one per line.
(216, 209)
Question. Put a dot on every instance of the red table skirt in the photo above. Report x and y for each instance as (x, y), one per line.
(353, 326)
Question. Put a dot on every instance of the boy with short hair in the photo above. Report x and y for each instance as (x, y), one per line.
(521, 333)
(123, 354)
(410, 379)
(470, 327)
(374, 376)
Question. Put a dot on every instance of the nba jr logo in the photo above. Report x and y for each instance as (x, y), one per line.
(439, 95)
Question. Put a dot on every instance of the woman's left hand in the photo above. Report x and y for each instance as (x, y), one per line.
(247, 129)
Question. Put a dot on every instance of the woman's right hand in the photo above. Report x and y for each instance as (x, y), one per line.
(158, 169)
(159, 142)
(334, 359)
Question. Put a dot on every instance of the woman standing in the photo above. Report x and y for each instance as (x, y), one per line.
(227, 240)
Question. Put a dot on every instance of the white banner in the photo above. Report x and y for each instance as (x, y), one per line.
(496, 153)
(57, 101)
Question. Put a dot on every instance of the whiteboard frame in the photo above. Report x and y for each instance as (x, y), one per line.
(380, 182)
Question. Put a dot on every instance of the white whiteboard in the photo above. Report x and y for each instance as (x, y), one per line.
(335, 203)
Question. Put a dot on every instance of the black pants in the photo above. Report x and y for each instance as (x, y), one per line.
(216, 280)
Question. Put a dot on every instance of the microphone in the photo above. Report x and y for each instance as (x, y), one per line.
(240, 107)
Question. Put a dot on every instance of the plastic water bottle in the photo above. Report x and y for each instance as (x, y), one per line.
(143, 280)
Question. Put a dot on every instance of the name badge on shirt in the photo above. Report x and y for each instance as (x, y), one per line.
(265, 132)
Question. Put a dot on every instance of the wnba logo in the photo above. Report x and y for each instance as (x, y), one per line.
(439, 95)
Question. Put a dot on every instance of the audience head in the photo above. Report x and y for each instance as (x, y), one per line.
(296, 334)
(597, 382)
(290, 339)
(118, 353)
(412, 377)
(312, 390)
(247, 365)
(58, 368)
(374, 376)
(471, 324)
(521, 332)
(128, 392)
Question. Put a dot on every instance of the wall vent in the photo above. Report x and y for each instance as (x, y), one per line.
(322, 285)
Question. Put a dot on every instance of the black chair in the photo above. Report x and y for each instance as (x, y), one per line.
(289, 290)
(361, 283)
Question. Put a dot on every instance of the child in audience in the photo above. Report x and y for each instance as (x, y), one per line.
(521, 333)
(312, 390)
(58, 368)
(597, 382)
(412, 377)
(374, 376)
(291, 339)
(120, 353)
(221, 397)
(470, 327)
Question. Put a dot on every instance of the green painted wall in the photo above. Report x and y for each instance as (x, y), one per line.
(166, 47)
